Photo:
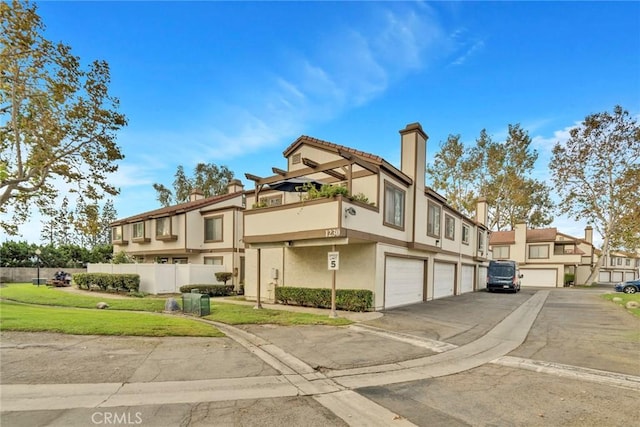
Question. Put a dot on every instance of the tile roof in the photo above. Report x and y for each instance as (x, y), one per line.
(333, 147)
(179, 208)
(535, 235)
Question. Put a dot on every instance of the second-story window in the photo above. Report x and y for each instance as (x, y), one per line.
(465, 234)
(213, 229)
(433, 220)
(449, 227)
(627, 262)
(500, 252)
(480, 241)
(538, 251)
(138, 230)
(163, 226)
(116, 234)
(613, 261)
(619, 261)
(393, 206)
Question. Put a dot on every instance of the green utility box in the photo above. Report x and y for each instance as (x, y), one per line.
(196, 304)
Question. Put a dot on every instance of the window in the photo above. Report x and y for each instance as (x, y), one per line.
(480, 241)
(163, 226)
(627, 262)
(215, 260)
(295, 159)
(619, 261)
(538, 251)
(433, 220)
(465, 234)
(613, 261)
(271, 201)
(116, 234)
(393, 206)
(213, 229)
(180, 260)
(449, 227)
(501, 252)
(138, 230)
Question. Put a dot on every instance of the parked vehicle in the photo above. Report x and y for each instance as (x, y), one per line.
(503, 275)
(628, 287)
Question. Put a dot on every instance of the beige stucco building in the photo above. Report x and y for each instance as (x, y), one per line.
(394, 235)
(545, 255)
(619, 266)
(201, 231)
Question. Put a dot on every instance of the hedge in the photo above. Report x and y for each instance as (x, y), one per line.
(346, 299)
(106, 281)
(211, 290)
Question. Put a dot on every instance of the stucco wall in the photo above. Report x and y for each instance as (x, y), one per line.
(25, 274)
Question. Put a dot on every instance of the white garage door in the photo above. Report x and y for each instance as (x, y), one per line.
(444, 276)
(466, 283)
(616, 276)
(604, 277)
(628, 275)
(482, 277)
(403, 281)
(539, 277)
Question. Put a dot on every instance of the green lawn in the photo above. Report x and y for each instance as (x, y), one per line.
(80, 321)
(625, 298)
(43, 295)
(56, 310)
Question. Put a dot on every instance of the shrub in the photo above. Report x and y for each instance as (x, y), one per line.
(223, 277)
(346, 299)
(211, 290)
(327, 190)
(569, 278)
(106, 281)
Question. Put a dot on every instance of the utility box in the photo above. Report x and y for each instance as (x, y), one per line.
(196, 304)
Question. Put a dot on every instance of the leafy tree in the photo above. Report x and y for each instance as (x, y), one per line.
(597, 175)
(22, 254)
(452, 173)
(58, 120)
(498, 171)
(92, 223)
(58, 230)
(207, 177)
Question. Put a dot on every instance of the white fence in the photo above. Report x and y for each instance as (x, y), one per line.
(163, 278)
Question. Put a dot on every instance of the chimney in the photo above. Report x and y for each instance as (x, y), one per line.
(196, 194)
(588, 234)
(481, 211)
(413, 156)
(234, 186)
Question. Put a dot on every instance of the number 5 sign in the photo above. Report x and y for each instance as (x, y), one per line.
(334, 260)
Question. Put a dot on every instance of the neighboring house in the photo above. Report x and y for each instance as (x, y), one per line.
(394, 235)
(619, 266)
(545, 256)
(201, 231)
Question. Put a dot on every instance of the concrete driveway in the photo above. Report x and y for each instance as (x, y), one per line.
(540, 357)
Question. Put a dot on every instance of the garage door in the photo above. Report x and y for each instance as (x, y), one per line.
(444, 276)
(482, 277)
(539, 277)
(628, 275)
(403, 281)
(616, 276)
(466, 283)
(604, 277)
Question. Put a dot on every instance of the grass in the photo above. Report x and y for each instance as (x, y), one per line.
(43, 295)
(625, 298)
(55, 310)
(20, 317)
(234, 314)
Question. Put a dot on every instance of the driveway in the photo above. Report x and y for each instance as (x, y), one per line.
(540, 357)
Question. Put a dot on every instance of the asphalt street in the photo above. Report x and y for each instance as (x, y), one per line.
(540, 357)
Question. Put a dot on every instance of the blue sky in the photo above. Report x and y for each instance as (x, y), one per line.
(234, 83)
